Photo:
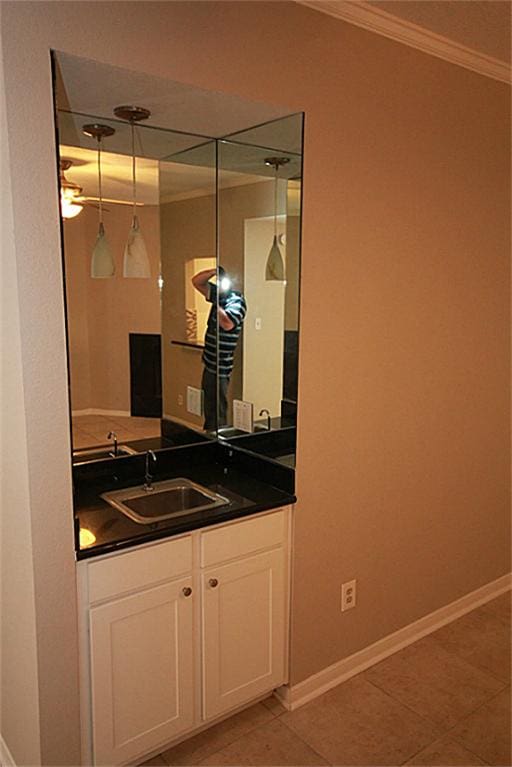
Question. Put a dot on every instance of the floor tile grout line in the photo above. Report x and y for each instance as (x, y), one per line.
(442, 737)
(427, 718)
(456, 653)
(225, 745)
(453, 737)
(404, 705)
(482, 670)
(500, 692)
(301, 738)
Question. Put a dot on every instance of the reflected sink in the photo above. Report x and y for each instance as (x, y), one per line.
(230, 431)
(100, 453)
(168, 499)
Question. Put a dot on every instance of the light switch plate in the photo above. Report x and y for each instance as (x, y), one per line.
(194, 400)
(243, 415)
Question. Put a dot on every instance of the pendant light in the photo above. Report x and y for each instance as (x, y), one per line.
(274, 270)
(102, 262)
(70, 193)
(136, 261)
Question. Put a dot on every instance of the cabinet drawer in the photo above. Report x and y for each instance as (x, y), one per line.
(137, 569)
(242, 538)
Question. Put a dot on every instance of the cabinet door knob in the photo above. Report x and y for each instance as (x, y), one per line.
(213, 582)
(187, 591)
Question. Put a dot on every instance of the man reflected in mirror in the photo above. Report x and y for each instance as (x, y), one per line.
(227, 313)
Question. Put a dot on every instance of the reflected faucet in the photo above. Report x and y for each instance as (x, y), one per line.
(148, 487)
(266, 412)
(113, 435)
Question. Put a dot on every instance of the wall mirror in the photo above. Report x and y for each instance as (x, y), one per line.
(150, 202)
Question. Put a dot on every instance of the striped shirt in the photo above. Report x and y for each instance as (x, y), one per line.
(235, 307)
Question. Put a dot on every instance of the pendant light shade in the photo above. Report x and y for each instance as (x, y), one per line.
(274, 269)
(136, 261)
(102, 261)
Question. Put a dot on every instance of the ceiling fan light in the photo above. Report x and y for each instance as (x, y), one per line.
(274, 270)
(68, 208)
(69, 194)
(102, 262)
(136, 261)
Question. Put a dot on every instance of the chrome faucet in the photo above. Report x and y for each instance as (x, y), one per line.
(113, 435)
(148, 478)
(266, 412)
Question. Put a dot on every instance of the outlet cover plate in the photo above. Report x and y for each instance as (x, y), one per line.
(243, 415)
(348, 595)
(194, 401)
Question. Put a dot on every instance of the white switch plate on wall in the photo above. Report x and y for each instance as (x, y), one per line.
(194, 400)
(242, 415)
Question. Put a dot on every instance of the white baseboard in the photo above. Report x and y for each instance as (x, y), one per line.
(6, 758)
(295, 696)
(99, 411)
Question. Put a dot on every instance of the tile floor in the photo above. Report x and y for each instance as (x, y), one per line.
(92, 430)
(444, 700)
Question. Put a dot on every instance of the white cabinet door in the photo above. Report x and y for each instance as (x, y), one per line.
(244, 630)
(142, 671)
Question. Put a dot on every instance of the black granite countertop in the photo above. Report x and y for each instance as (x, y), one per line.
(250, 484)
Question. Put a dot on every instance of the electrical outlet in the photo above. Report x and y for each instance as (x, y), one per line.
(180, 399)
(348, 595)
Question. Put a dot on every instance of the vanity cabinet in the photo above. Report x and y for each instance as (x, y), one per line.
(141, 668)
(243, 612)
(181, 632)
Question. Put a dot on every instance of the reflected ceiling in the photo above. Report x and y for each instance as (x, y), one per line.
(95, 88)
(182, 117)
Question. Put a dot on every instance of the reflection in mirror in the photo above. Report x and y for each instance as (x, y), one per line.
(115, 323)
(145, 351)
(188, 238)
(258, 215)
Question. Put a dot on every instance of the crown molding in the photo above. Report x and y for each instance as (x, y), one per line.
(376, 20)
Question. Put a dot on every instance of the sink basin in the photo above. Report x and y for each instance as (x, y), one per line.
(168, 499)
(100, 453)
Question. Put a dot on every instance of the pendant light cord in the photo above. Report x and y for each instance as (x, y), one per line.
(134, 184)
(275, 201)
(99, 180)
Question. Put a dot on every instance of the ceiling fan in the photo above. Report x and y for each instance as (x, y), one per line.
(72, 201)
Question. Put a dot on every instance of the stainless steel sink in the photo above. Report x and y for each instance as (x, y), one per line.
(100, 453)
(171, 498)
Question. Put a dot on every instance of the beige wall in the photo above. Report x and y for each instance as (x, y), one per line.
(236, 204)
(103, 312)
(402, 467)
(187, 233)
(291, 309)
(77, 275)
(19, 696)
(263, 342)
